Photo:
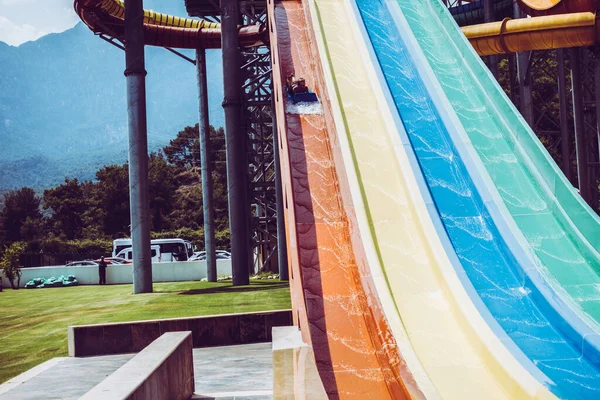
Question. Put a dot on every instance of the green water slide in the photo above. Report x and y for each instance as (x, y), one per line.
(559, 230)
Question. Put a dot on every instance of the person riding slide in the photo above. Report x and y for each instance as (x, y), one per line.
(296, 86)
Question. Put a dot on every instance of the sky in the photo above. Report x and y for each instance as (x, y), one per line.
(25, 20)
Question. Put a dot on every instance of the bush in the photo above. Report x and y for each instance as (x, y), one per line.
(10, 263)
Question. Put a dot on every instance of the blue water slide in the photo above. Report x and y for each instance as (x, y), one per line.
(485, 258)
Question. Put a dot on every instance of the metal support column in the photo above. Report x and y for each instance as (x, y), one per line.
(597, 84)
(205, 167)
(525, 87)
(135, 74)
(488, 16)
(565, 146)
(512, 77)
(237, 164)
(281, 238)
(594, 137)
(524, 78)
(580, 142)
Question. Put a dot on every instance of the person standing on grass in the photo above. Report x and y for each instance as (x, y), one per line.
(102, 271)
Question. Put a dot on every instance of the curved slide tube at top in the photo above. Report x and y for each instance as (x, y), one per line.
(486, 258)
(107, 17)
(430, 302)
(538, 8)
(334, 301)
(556, 224)
(538, 33)
(541, 4)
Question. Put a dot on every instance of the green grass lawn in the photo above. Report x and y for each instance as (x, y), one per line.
(33, 323)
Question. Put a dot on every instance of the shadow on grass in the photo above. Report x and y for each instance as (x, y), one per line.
(255, 286)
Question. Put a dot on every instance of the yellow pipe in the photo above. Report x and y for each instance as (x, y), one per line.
(538, 33)
(116, 8)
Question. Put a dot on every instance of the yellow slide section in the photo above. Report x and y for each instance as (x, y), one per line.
(163, 30)
(458, 351)
(116, 8)
(538, 33)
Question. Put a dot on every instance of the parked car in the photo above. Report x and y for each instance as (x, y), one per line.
(201, 255)
(114, 261)
(82, 263)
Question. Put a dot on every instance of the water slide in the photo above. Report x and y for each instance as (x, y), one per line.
(493, 263)
(385, 229)
(559, 227)
(332, 289)
(444, 328)
(517, 300)
(107, 17)
(409, 269)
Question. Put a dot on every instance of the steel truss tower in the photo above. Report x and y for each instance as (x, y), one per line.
(258, 123)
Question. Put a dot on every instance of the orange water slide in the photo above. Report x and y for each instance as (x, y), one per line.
(333, 296)
(107, 17)
(537, 8)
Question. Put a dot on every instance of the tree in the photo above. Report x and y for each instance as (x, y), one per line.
(184, 150)
(32, 229)
(187, 201)
(184, 153)
(162, 186)
(111, 196)
(67, 203)
(10, 263)
(19, 205)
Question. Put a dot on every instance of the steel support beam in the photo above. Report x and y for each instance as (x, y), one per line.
(597, 84)
(488, 16)
(565, 145)
(235, 137)
(524, 79)
(580, 139)
(281, 238)
(525, 87)
(593, 135)
(205, 167)
(135, 74)
(512, 78)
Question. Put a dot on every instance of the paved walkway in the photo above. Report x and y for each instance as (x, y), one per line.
(226, 373)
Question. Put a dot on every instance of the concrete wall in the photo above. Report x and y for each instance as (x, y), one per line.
(116, 274)
(295, 373)
(164, 370)
(207, 331)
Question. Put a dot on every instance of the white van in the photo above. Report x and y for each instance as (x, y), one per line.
(127, 253)
(167, 249)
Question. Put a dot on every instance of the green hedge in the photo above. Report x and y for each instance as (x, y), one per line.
(59, 246)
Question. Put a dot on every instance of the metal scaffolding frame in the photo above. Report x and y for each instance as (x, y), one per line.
(257, 117)
(540, 84)
(570, 141)
(590, 136)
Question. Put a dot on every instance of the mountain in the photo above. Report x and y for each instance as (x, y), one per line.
(63, 103)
